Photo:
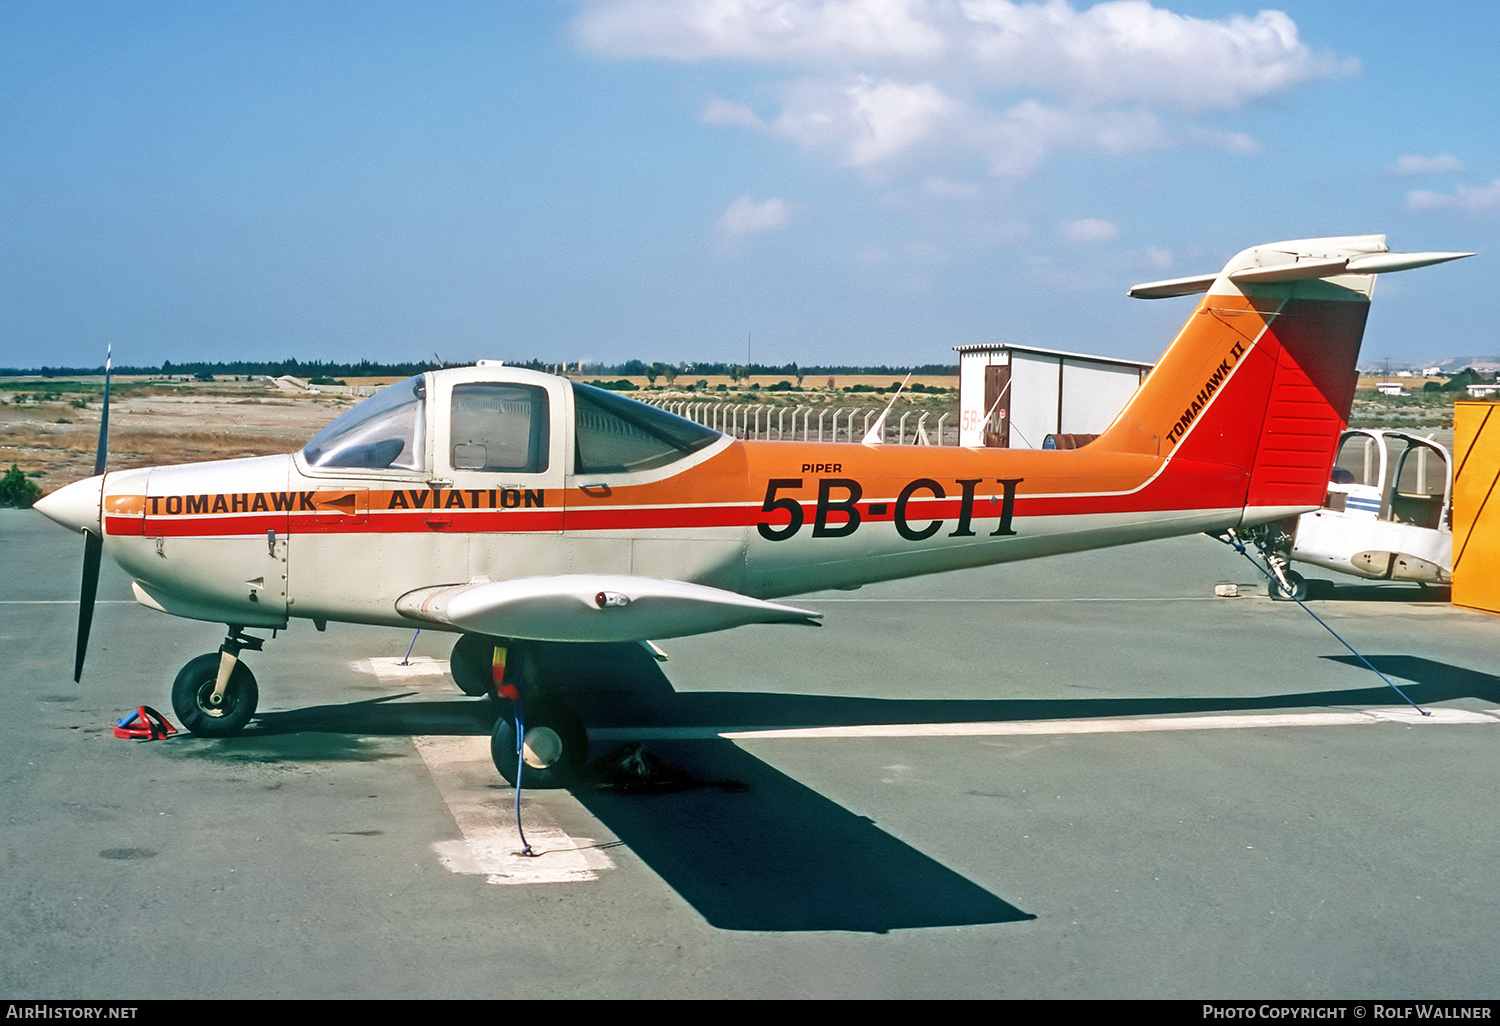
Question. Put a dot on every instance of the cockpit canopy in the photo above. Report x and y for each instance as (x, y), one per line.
(506, 426)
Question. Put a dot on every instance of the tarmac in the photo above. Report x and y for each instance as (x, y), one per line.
(1080, 777)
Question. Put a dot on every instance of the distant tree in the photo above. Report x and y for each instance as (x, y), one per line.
(652, 373)
(1463, 379)
(669, 371)
(18, 490)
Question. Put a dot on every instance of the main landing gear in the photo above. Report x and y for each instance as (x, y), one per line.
(553, 744)
(215, 694)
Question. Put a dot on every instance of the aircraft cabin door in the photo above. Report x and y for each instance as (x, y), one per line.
(502, 441)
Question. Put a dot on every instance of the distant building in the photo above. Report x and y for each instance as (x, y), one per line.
(1015, 396)
(1390, 388)
(1480, 391)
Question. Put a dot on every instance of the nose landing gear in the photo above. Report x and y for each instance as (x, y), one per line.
(215, 694)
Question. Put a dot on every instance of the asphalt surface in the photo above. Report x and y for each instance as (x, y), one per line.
(1079, 777)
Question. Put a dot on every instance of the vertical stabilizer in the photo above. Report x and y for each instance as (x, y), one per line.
(1262, 375)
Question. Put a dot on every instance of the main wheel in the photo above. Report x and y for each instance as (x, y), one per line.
(556, 744)
(1280, 594)
(192, 697)
(471, 664)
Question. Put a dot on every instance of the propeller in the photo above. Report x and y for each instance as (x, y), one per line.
(93, 541)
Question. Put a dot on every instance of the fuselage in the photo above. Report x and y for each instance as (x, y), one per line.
(254, 542)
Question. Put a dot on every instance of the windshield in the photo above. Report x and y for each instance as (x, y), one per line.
(617, 435)
(387, 430)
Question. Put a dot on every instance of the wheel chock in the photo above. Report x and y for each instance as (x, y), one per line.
(145, 724)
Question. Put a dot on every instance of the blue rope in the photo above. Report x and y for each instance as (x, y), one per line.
(520, 765)
(1240, 548)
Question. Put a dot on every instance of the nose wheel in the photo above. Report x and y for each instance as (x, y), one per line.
(207, 714)
(554, 746)
(215, 694)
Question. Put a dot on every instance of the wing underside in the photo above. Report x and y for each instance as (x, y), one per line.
(592, 607)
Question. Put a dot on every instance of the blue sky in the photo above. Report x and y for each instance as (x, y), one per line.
(837, 181)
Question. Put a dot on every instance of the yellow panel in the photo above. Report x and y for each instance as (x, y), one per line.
(1476, 506)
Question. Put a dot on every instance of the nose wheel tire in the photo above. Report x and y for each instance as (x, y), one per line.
(555, 749)
(192, 698)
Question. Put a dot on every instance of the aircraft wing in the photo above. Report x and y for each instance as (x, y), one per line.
(592, 607)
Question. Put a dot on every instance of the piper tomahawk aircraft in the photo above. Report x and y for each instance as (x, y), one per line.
(514, 507)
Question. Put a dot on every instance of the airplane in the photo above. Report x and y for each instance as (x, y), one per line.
(1388, 516)
(514, 507)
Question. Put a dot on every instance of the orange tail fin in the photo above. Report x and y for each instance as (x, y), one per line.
(1262, 375)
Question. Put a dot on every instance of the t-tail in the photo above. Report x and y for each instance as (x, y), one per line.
(1261, 378)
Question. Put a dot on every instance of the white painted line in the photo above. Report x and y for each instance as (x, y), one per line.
(818, 599)
(66, 602)
(391, 670)
(1447, 717)
(485, 813)
(482, 806)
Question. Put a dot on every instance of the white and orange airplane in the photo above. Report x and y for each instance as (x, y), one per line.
(515, 507)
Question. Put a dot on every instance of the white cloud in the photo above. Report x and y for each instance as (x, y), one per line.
(1015, 83)
(773, 31)
(1128, 51)
(1474, 199)
(745, 216)
(1018, 141)
(719, 111)
(1089, 229)
(873, 121)
(1415, 164)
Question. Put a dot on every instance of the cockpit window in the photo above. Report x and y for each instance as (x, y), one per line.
(615, 435)
(386, 431)
(499, 427)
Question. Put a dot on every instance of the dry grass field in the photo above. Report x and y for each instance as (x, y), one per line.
(53, 439)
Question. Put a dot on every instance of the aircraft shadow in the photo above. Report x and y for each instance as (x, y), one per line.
(632, 691)
(1319, 590)
(1430, 681)
(752, 849)
(745, 845)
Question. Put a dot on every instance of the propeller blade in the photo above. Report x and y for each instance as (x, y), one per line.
(93, 544)
(93, 548)
(103, 449)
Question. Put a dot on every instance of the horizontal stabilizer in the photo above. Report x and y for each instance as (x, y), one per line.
(592, 607)
(1291, 261)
